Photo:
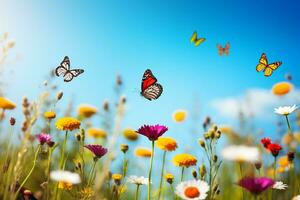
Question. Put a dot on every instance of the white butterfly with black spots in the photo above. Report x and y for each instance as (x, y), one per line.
(64, 70)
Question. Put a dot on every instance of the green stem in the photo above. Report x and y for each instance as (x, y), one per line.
(137, 192)
(162, 174)
(30, 172)
(91, 173)
(288, 123)
(182, 173)
(274, 168)
(173, 191)
(62, 155)
(150, 171)
(48, 172)
(124, 166)
(241, 171)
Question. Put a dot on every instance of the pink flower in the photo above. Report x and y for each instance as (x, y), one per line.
(97, 150)
(43, 138)
(152, 132)
(256, 185)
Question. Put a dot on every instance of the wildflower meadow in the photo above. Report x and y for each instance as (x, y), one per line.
(142, 100)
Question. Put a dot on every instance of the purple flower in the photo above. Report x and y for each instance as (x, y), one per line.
(152, 132)
(43, 138)
(97, 150)
(256, 185)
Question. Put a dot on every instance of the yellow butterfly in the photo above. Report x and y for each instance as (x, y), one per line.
(263, 65)
(195, 40)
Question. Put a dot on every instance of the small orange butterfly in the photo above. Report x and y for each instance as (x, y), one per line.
(263, 65)
(224, 50)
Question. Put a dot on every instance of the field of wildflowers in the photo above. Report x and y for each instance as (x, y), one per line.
(53, 151)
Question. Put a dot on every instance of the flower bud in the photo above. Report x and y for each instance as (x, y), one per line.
(124, 148)
(78, 137)
(169, 178)
(12, 121)
(201, 143)
(50, 144)
(202, 171)
(258, 165)
(291, 156)
(215, 158)
(59, 95)
(194, 173)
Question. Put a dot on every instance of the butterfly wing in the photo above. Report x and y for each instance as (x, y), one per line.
(68, 76)
(270, 68)
(63, 67)
(226, 49)
(76, 72)
(148, 80)
(199, 41)
(263, 63)
(153, 91)
(194, 37)
(220, 49)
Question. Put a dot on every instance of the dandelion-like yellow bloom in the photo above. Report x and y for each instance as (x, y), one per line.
(169, 178)
(184, 160)
(166, 143)
(143, 152)
(117, 177)
(65, 185)
(97, 133)
(283, 161)
(87, 192)
(67, 124)
(282, 88)
(130, 134)
(49, 115)
(6, 104)
(87, 110)
(179, 115)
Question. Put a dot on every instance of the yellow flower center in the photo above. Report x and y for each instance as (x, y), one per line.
(191, 192)
(65, 185)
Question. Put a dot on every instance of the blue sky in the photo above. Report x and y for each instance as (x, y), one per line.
(106, 38)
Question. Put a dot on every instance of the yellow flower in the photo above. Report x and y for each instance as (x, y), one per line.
(287, 139)
(49, 115)
(87, 110)
(64, 185)
(97, 133)
(130, 134)
(67, 124)
(87, 192)
(179, 115)
(282, 88)
(169, 178)
(184, 160)
(143, 152)
(283, 161)
(6, 104)
(280, 170)
(166, 144)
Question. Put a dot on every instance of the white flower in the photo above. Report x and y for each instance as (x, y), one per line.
(279, 185)
(296, 197)
(241, 153)
(65, 176)
(137, 180)
(192, 190)
(285, 110)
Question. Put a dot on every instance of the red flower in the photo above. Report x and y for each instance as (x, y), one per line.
(266, 142)
(274, 148)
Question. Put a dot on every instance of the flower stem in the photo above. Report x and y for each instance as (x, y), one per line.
(150, 171)
(30, 172)
(62, 155)
(137, 192)
(241, 171)
(124, 166)
(182, 173)
(274, 168)
(48, 172)
(91, 173)
(162, 174)
(288, 123)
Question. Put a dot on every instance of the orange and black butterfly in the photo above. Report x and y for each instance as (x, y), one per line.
(263, 65)
(150, 89)
(64, 70)
(224, 50)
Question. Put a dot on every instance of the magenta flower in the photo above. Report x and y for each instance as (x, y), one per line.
(97, 150)
(152, 132)
(43, 138)
(256, 185)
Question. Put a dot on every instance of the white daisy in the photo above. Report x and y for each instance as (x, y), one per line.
(279, 185)
(137, 180)
(192, 190)
(296, 197)
(241, 153)
(285, 110)
(65, 176)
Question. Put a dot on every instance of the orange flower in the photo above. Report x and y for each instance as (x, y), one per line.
(166, 144)
(130, 134)
(67, 124)
(49, 115)
(143, 152)
(283, 161)
(6, 104)
(184, 160)
(97, 133)
(282, 88)
(87, 110)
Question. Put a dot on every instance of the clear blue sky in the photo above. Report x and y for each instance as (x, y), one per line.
(110, 37)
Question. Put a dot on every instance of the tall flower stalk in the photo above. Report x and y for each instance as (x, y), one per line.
(150, 172)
